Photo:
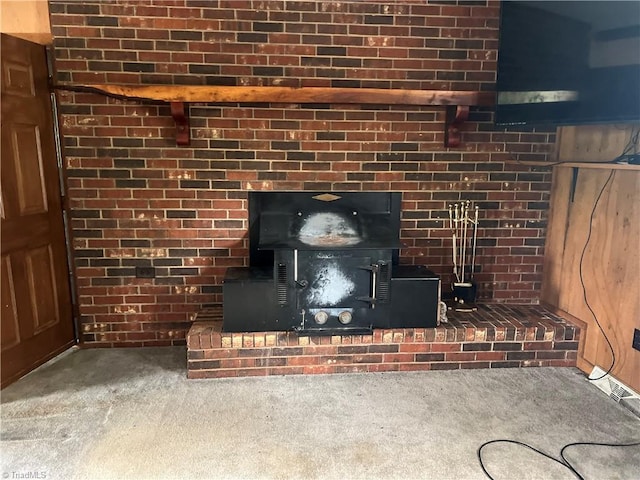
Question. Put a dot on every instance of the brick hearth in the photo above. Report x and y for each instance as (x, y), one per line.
(494, 336)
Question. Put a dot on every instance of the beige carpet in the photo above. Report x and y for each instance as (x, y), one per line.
(116, 414)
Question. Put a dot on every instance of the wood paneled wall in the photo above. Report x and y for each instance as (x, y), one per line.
(596, 210)
(592, 143)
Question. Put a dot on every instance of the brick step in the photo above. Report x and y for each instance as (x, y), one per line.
(494, 336)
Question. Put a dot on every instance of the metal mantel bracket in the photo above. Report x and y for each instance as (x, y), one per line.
(179, 112)
(456, 116)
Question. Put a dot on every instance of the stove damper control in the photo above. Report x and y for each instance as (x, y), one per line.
(321, 317)
(345, 317)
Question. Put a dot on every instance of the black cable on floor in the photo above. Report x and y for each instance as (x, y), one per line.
(515, 442)
(562, 461)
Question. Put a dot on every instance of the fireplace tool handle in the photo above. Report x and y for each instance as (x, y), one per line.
(475, 240)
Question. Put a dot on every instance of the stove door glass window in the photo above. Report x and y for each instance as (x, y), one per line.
(333, 280)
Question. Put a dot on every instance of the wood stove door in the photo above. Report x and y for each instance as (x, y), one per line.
(333, 279)
(336, 290)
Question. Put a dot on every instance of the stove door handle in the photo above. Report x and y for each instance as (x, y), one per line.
(370, 300)
(374, 285)
(372, 268)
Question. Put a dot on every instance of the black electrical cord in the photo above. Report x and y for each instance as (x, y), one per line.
(562, 461)
(632, 145)
(515, 442)
(591, 444)
(584, 288)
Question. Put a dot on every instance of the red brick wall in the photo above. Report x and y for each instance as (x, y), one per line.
(139, 201)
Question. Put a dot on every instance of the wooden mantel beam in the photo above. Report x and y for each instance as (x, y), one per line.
(215, 94)
(456, 101)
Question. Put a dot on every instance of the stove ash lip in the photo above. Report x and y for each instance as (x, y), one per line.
(329, 229)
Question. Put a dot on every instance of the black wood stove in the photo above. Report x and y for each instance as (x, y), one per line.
(327, 263)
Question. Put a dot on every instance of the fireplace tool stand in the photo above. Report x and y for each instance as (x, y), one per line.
(463, 222)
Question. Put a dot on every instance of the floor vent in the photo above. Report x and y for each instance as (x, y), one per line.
(616, 390)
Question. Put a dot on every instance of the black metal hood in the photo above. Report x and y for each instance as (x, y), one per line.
(323, 221)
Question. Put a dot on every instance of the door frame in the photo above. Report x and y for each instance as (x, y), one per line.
(64, 198)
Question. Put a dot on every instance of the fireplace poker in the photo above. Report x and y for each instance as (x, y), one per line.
(461, 249)
(475, 239)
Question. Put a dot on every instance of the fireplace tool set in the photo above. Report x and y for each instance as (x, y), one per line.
(463, 222)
